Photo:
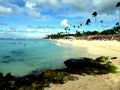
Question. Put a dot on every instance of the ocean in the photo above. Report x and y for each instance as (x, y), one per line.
(22, 57)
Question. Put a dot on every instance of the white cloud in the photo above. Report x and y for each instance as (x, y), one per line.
(52, 4)
(30, 30)
(42, 31)
(34, 35)
(5, 10)
(64, 23)
(32, 10)
(30, 5)
(34, 14)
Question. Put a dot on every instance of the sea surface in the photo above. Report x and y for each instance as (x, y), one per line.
(22, 57)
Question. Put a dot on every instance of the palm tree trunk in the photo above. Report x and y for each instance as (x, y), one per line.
(119, 15)
(96, 23)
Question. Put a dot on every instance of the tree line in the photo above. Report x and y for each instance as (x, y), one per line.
(114, 30)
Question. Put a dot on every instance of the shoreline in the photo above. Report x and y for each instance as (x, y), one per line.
(95, 47)
(97, 82)
(83, 82)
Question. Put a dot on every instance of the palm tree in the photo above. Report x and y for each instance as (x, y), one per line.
(94, 14)
(102, 24)
(88, 22)
(81, 25)
(118, 5)
(66, 29)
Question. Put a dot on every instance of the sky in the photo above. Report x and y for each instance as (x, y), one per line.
(38, 18)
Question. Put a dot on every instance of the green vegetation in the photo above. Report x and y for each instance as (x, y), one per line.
(114, 31)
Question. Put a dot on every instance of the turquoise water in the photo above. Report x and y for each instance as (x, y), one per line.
(22, 57)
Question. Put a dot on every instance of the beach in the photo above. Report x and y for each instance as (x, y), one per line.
(96, 47)
(90, 82)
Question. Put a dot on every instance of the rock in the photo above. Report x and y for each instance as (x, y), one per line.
(114, 58)
(101, 59)
(9, 76)
(1, 75)
(70, 77)
(100, 65)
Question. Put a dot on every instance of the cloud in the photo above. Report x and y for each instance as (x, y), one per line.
(50, 27)
(34, 35)
(64, 23)
(34, 14)
(105, 6)
(39, 27)
(30, 5)
(49, 4)
(5, 10)
(77, 4)
(32, 10)
(29, 30)
(11, 29)
(42, 31)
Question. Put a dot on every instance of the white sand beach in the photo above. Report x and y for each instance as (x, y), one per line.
(97, 82)
(97, 48)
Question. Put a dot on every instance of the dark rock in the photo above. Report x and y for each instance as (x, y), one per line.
(100, 65)
(1, 75)
(9, 76)
(114, 58)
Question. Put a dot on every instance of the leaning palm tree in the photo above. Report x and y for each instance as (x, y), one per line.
(118, 5)
(94, 14)
(88, 22)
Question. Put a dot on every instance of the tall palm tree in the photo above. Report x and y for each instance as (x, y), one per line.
(118, 5)
(94, 14)
(88, 22)
(66, 28)
(102, 24)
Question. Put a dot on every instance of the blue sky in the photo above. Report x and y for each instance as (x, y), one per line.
(38, 18)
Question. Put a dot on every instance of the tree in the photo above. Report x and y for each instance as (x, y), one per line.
(88, 22)
(94, 14)
(118, 5)
(102, 24)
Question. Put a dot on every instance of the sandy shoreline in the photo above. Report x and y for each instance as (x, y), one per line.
(98, 82)
(97, 48)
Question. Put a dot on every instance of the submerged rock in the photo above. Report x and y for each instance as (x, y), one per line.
(17, 52)
(7, 59)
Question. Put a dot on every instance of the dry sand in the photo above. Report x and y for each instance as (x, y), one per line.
(98, 82)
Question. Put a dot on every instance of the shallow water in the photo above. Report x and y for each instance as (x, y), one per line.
(22, 57)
